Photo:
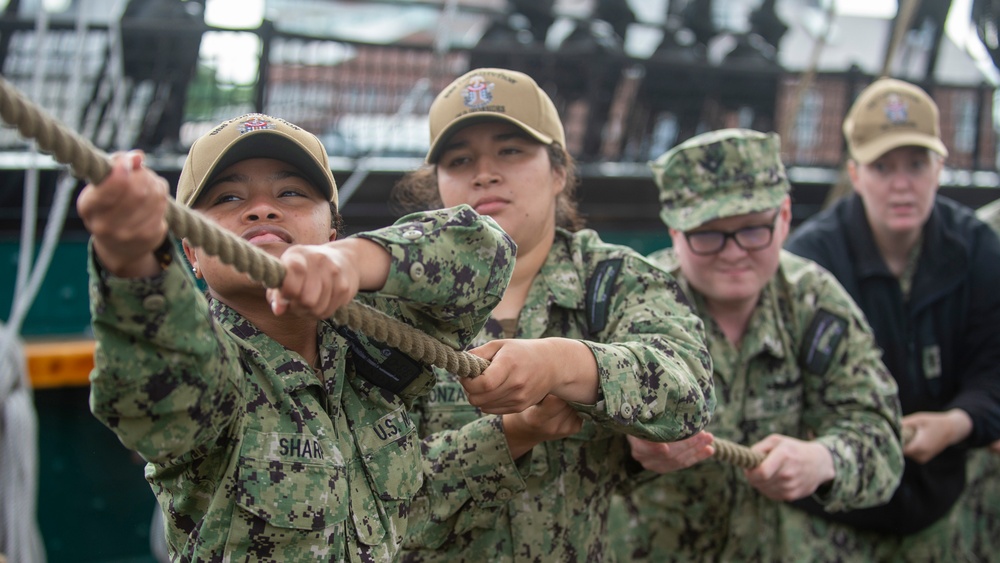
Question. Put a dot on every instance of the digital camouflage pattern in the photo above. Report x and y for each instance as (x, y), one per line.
(979, 506)
(976, 517)
(719, 174)
(251, 455)
(709, 512)
(552, 503)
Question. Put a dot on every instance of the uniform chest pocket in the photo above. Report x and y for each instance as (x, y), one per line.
(292, 481)
(390, 455)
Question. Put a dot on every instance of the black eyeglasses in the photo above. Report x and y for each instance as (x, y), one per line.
(757, 237)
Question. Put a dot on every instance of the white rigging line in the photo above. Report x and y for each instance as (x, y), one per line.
(21, 540)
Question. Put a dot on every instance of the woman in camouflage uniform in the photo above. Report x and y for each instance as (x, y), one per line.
(590, 342)
(264, 440)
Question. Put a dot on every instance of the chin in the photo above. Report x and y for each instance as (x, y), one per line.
(735, 294)
(909, 224)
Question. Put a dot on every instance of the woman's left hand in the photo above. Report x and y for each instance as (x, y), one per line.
(523, 371)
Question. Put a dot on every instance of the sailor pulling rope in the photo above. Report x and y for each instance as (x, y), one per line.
(92, 164)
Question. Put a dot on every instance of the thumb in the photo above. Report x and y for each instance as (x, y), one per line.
(767, 444)
(488, 350)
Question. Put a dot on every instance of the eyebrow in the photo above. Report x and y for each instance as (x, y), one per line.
(238, 177)
(518, 134)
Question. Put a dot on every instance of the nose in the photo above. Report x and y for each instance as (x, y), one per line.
(486, 173)
(730, 249)
(260, 207)
(899, 179)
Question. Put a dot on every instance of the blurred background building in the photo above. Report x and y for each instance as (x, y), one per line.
(631, 78)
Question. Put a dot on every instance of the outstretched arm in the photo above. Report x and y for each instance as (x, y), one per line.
(321, 279)
(647, 373)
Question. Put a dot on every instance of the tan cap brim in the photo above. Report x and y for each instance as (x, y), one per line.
(877, 147)
(254, 136)
(472, 119)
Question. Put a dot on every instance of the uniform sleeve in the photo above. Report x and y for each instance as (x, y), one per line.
(654, 367)
(164, 373)
(449, 269)
(851, 402)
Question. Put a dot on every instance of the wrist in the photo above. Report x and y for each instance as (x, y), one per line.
(371, 260)
(144, 265)
(829, 471)
(518, 442)
(576, 371)
(961, 425)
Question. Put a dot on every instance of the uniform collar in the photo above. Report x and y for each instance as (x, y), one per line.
(292, 373)
(763, 334)
(560, 275)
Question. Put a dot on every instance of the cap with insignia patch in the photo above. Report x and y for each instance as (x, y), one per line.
(889, 114)
(719, 174)
(493, 94)
(254, 135)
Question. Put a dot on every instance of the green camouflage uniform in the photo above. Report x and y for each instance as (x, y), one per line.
(807, 367)
(709, 512)
(251, 455)
(979, 506)
(552, 503)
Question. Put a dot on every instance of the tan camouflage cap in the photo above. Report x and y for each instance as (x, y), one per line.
(486, 94)
(889, 114)
(719, 174)
(254, 135)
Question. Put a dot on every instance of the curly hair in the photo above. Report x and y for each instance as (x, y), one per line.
(336, 220)
(418, 190)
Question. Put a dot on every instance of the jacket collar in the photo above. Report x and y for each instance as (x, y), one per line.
(862, 241)
(943, 256)
(763, 333)
(559, 277)
(270, 356)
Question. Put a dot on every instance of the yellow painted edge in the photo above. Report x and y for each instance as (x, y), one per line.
(59, 363)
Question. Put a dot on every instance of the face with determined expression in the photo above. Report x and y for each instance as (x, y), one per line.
(268, 203)
(501, 171)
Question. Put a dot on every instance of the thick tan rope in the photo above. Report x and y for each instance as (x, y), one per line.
(735, 454)
(744, 457)
(92, 164)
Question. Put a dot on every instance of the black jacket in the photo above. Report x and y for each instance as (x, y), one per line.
(942, 346)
